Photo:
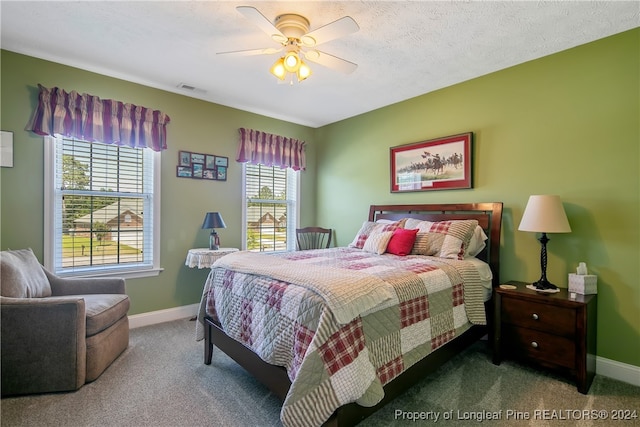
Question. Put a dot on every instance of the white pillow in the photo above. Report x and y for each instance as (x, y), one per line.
(477, 242)
(385, 221)
(412, 223)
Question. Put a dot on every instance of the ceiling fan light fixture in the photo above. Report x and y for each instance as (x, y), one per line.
(278, 69)
(291, 62)
(303, 72)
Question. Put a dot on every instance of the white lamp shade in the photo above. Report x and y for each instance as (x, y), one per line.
(544, 214)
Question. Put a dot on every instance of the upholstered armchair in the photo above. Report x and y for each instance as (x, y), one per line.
(57, 333)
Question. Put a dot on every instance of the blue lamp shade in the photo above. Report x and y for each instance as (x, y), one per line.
(213, 220)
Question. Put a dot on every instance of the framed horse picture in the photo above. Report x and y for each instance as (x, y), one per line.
(436, 164)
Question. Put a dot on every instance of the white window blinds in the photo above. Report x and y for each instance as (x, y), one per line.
(271, 195)
(103, 208)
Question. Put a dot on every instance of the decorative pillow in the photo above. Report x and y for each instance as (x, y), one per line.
(427, 244)
(377, 242)
(369, 227)
(402, 241)
(22, 276)
(444, 239)
(477, 242)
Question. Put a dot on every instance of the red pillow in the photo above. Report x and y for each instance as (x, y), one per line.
(402, 241)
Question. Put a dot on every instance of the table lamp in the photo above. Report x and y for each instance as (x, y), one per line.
(544, 214)
(213, 220)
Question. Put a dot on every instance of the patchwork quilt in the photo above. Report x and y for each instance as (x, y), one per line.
(342, 321)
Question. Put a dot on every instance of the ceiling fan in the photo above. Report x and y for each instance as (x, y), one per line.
(291, 32)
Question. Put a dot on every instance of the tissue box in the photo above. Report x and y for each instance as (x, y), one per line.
(586, 284)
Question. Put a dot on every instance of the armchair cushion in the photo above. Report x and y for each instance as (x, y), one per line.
(102, 311)
(22, 276)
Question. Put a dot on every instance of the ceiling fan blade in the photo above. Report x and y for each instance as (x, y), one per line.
(249, 52)
(330, 61)
(261, 21)
(336, 29)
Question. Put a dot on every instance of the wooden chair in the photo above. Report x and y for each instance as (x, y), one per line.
(313, 238)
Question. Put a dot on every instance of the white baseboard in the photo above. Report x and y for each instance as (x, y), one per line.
(160, 316)
(605, 367)
(618, 370)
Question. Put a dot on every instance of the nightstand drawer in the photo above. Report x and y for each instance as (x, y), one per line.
(540, 346)
(539, 316)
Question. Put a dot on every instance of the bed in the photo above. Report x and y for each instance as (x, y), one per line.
(337, 333)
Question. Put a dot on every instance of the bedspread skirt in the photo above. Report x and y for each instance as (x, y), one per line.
(329, 363)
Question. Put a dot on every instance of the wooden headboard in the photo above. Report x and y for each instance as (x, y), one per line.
(488, 215)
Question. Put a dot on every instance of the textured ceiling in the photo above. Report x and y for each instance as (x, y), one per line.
(403, 49)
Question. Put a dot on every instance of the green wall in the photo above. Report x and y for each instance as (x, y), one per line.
(566, 124)
(196, 126)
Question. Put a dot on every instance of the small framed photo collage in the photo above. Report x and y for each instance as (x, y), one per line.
(202, 166)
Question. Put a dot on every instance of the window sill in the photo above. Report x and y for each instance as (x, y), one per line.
(126, 274)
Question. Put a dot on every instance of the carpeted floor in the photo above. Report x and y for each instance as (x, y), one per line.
(161, 380)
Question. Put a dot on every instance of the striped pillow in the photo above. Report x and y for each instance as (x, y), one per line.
(444, 239)
(377, 242)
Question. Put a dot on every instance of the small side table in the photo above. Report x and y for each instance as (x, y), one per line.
(551, 330)
(205, 257)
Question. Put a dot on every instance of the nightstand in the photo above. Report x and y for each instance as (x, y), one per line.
(551, 330)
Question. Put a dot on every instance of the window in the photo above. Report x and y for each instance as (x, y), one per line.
(101, 209)
(270, 208)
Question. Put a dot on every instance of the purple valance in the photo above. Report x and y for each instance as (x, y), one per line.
(263, 148)
(90, 118)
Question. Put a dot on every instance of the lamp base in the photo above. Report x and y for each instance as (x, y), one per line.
(544, 284)
(214, 241)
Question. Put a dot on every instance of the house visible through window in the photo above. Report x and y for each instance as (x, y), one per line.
(270, 207)
(102, 205)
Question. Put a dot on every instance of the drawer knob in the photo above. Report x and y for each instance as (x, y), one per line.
(535, 316)
(534, 344)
